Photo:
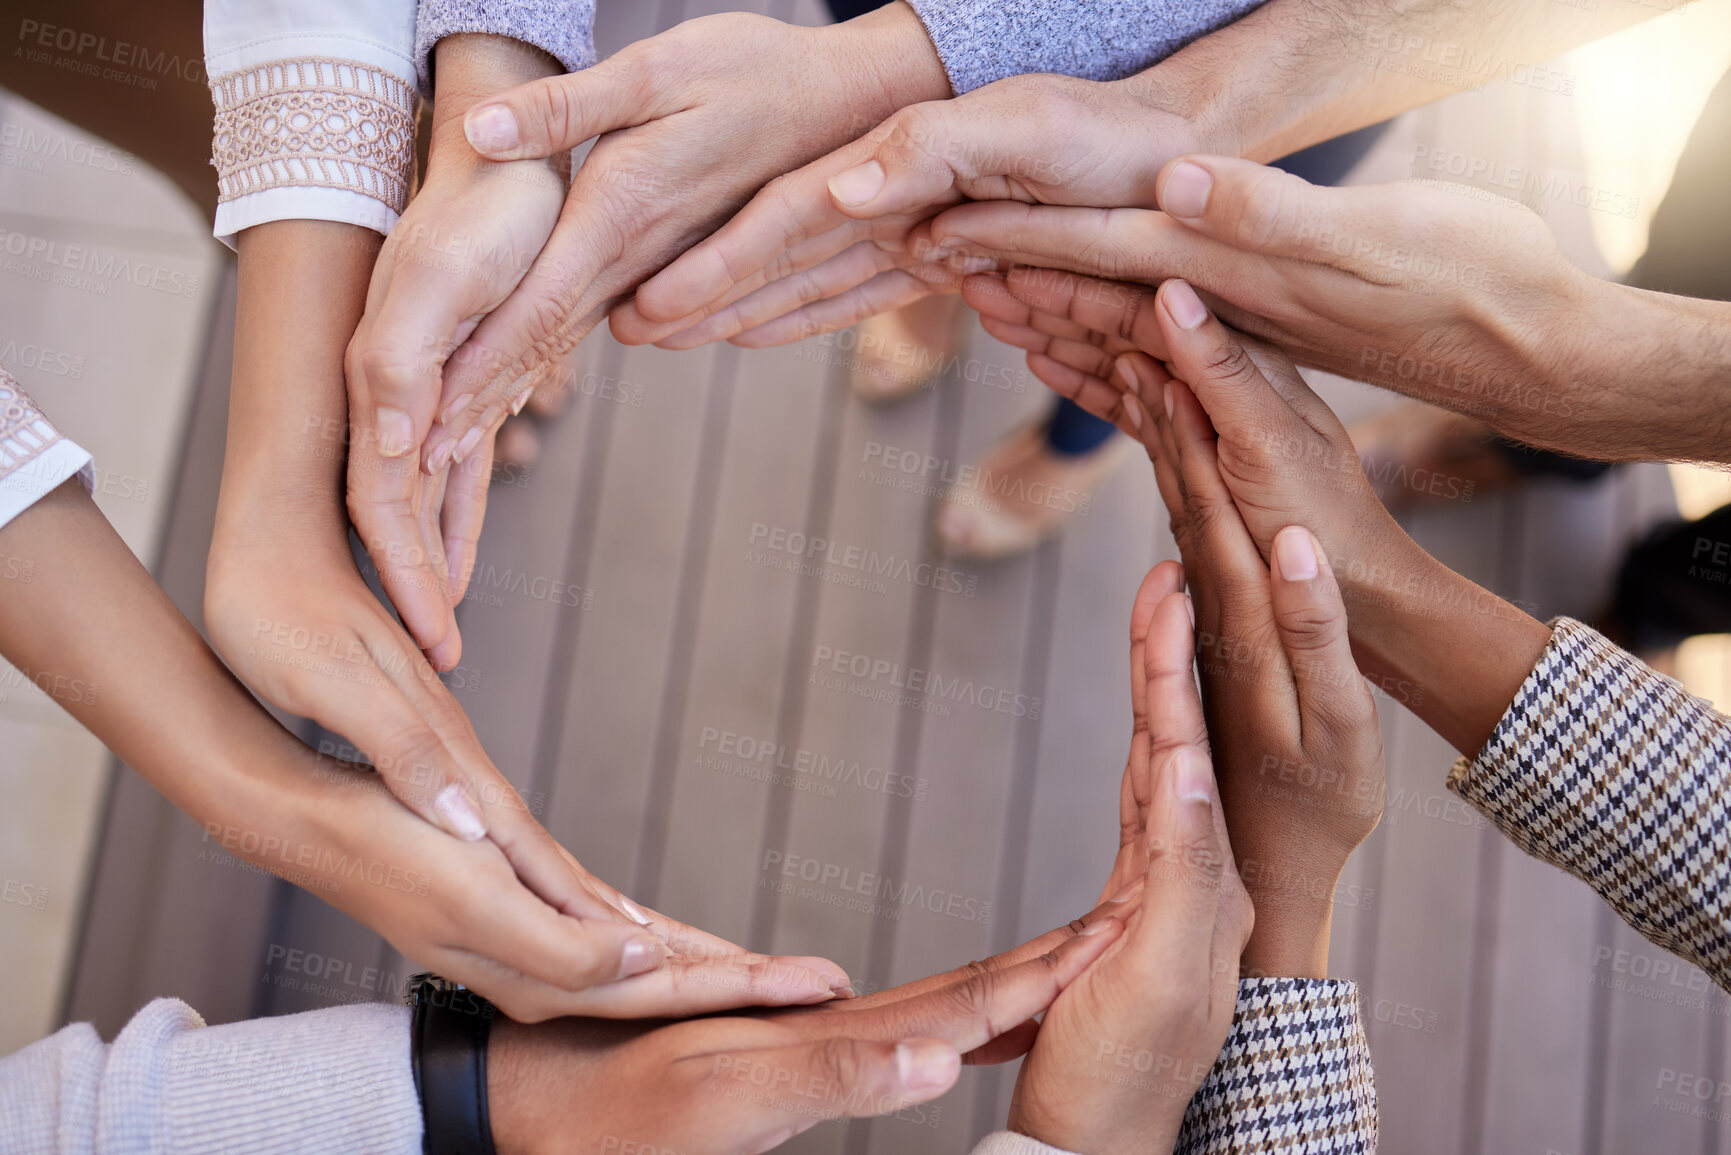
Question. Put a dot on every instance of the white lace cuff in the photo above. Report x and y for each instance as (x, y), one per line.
(318, 139)
(34, 457)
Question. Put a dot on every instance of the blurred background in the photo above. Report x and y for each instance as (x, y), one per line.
(666, 725)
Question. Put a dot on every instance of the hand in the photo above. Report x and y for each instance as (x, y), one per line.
(286, 604)
(1295, 730)
(462, 245)
(838, 240)
(1453, 652)
(1452, 298)
(1125, 1047)
(688, 130)
(460, 908)
(749, 1083)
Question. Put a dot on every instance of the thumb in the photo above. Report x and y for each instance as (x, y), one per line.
(556, 113)
(826, 1079)
(1312, 622)
(917, 158)
(1253, 207)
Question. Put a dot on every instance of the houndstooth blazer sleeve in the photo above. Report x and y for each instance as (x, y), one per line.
(1613, 772)
(1294, 1077)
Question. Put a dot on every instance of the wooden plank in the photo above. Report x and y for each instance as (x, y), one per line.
(599, 733)
(733, 745)
(971, 706)
(1417, 998)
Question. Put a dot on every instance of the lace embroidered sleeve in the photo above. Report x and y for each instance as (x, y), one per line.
(314, 123)
(34, 457)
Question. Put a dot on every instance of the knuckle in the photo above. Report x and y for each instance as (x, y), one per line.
(1267, 210)
(843, 1059)
(1230, 363)
(1312, 627)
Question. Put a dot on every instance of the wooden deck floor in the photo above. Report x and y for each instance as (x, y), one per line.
(706, 712)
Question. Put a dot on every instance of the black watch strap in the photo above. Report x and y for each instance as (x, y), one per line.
(448, 1045)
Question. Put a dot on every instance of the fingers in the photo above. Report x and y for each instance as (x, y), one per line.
(561, 112)
(388, 502)
(1175, 718)
(901, 169)
(465, 509)
(699, 986)
(846, 270)
(1111, 307)
(984, 1004)
(1218, 367)
(782, 1091)
(1311, 619)
(888, 290)
(747, 252)
(1033, 948)
(1120, 244)
(1191, 900)
(1164, 579)
(1252, 207)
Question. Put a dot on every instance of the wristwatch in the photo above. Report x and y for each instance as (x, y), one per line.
(448, 1053)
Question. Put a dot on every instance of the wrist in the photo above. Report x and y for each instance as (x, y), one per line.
(1449, 650)
(892, 52)
(1242, 107)
(471, 67)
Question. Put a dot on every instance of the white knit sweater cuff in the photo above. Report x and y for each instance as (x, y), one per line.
(330, 1080)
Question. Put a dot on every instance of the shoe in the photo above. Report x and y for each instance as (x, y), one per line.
(1021, 493)
(898, 353)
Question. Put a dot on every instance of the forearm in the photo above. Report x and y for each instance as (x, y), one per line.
(302, 287)
(1294, 73)
(93, 630)
(1648, 380)
(1452, 652)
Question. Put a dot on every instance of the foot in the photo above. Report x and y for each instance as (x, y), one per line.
(1418, 455)
(1022, 493)
(902, 351)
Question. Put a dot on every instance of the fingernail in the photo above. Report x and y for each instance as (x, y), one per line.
(1166, 398)
(469, 441)
(1128, 892)
(639, 955)
(460, 814)
(1133, 412)
(522, 400)
(1192, 775)
(441, 456)
(1184, 305)
(491, 128)
(855, 186)
(396, 431)
(456, 407)
(1190, 608)
(938, 254)
(1125, 375)
(1186, 193)
(1295, 553)
(926, 1064)
(632, 911)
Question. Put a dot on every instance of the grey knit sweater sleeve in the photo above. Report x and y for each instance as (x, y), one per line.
(985, 40)
(331, 1080)
(563, 28)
